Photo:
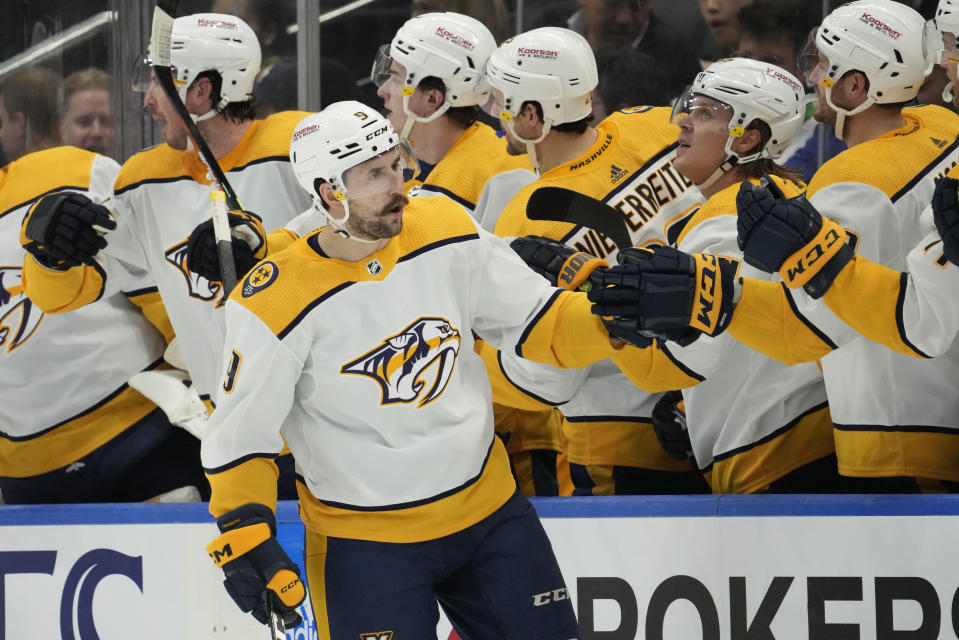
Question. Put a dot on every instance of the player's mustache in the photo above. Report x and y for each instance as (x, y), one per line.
(399, 200)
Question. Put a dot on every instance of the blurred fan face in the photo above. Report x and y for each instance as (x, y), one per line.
(720, 17)
(776, 49)
(615, 21)
(87, 123)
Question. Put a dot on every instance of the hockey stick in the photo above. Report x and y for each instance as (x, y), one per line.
(564, 205)
(277, 626)
(160, 41)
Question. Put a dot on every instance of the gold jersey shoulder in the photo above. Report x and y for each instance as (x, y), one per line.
(477, 155)
(274, 291)
(264, 140)
(626, 141)
(891, 161)
(44, 171)
(723, 203)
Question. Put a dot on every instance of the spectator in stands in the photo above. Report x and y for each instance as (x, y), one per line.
(629, 23)
(775, 32)
(628, 78)
(28, 112)
(276, 86)
(492, 13)
(721, 18)
(86, 120)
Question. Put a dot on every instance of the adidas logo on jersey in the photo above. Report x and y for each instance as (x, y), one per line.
(939, 143)
(616, 174)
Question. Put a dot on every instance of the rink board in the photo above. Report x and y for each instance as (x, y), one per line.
(685, 568)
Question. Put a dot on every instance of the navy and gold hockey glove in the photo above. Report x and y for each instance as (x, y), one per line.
(60, 230)
(562, 265)
(669, 424)
(668, 294)
(945, 213)
(249, 246)
(259, 574)
(789, 236)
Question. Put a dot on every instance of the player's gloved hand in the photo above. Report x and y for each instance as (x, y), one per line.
(60, 230)
(945, 213)
(249, 245)
(669, 423)
(667, 293)
(259, 574)
(562, 265)
(789, 236)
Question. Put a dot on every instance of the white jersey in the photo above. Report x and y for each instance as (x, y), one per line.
(747, 401)
(369, 369)
(930, 306)
(160, 196)
(880, 399)
(81, 360)
(629, 167)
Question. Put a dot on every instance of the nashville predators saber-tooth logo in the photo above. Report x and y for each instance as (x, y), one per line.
(199, 287)
(399, 364)
(19, 317)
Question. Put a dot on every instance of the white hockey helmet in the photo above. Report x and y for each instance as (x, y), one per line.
(753, 90)
(448, 46)
(748, 90)
(947, 23)
(887, 41)
(326, 145)
(552, 66)
(215, 42)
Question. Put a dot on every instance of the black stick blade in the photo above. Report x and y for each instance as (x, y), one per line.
(563, 205)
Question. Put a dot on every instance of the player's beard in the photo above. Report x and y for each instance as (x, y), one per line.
(379, 224)
(513, 146)
(823, 112)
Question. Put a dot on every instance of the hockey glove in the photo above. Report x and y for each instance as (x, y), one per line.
(249, 246)
(259, 574)
(788, 235)
(60, 230)
(563, 266)
(669, 423)
(668, 292)
(945, 212)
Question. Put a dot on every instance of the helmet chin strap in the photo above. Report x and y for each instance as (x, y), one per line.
(841, 113)
(339, 226)
(947, 96)
(412, 118)
(531, 144)
(727, 165)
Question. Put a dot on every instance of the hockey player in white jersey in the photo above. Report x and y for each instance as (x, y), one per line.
(359, 346)
(895, 421)
(428, 79)
(914, 312)
(754, 424)
(163, 193)
(540, 87)
(72, 429)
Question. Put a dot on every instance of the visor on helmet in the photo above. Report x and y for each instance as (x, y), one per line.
(808, 57)
(701, 109)
(495, 103)
(382, 63)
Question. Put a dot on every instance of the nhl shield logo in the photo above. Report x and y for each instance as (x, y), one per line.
(374, 267)
(415, 365)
